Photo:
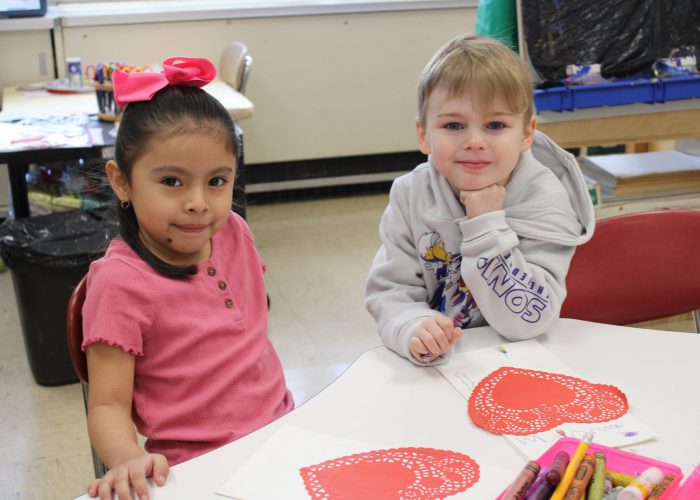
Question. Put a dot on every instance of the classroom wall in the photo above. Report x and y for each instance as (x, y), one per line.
(25, 56)
(323, 86)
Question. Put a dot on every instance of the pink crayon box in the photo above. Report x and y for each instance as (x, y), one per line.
(618, 461)
(690, 489)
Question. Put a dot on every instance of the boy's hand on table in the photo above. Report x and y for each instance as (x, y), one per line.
(131, 473)
(434, 337)
(481, 201)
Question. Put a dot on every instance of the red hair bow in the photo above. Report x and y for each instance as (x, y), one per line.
(141, 86)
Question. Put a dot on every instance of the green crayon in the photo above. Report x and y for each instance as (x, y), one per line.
(596, 490)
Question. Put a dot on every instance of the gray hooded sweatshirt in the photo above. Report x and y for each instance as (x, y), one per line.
(505, 268)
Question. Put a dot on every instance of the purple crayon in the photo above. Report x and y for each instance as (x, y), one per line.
(541, 489)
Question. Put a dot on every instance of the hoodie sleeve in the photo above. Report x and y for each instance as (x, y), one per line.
(395, 293)
(517, 282)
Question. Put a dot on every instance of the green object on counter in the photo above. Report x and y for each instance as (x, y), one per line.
(498, 19)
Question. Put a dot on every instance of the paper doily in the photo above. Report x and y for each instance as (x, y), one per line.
(397, 473)
(518, 401)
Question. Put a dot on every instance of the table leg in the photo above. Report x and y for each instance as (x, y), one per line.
(18, 189)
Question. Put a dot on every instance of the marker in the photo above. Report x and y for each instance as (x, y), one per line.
(426, 356)
(596, 490)
(640, 487)
(661, 487)
(571, 469)
(583, 476)
(517, 489)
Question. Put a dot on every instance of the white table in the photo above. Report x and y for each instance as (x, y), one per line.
(383, 398)
(22, 103)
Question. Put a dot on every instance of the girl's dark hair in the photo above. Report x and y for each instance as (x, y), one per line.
(174, 110)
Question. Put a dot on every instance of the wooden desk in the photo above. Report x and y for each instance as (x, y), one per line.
(633, 123)
(383, 398)
(19, 104)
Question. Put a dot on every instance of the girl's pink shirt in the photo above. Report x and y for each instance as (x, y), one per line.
(206, 373)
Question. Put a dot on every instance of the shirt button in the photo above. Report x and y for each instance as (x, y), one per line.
(222, 285)
(211, 271)
(229, 303)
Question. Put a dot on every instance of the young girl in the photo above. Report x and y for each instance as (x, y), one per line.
(175, 319)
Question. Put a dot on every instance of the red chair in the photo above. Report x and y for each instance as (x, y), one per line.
(637, 267)
(74, 331)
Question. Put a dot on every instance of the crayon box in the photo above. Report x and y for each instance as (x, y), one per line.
(616, 460)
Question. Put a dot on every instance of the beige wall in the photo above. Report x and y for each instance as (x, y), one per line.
(323, 86)
(20, 52)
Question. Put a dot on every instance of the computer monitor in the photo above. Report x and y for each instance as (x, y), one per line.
(22, 8)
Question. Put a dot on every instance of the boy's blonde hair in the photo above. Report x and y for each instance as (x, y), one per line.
(481, 65)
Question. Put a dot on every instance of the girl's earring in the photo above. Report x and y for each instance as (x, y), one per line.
(125, 204)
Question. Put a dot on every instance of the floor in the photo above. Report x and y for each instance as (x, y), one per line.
(317, 254)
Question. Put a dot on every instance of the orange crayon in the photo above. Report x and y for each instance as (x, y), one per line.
(583, 476)
(661, 487)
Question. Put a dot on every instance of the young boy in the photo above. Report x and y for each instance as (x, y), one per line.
(483, 233)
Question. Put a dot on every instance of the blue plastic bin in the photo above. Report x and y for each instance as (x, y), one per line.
(568, 98)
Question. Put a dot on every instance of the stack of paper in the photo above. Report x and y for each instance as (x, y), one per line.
(661, 172)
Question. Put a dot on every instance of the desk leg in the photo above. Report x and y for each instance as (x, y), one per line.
(18, 189)
(240, 199)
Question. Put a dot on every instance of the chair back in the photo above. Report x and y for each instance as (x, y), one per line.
(636, 267)
(234, 65)
(74, 330)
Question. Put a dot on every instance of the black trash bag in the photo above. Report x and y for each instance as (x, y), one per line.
(58, 241)
(624, 36)
(47, 256)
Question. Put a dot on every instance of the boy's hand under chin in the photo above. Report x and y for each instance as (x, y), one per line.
(481, 201)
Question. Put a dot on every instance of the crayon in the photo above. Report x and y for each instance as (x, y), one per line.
(642, 485)
(614, 493)
(608, 483)
(577, 488)
(596, 490)
(517, 489)
(619, 478)
(541, 489)
(661, 487)
(556, 470)
(571, 469)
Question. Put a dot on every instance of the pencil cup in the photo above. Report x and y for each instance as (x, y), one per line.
(107, 106)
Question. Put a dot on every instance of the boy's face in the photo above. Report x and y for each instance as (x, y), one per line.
(471, 147)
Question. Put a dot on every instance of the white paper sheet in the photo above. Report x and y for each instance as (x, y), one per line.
(465, 370)
(273, 471)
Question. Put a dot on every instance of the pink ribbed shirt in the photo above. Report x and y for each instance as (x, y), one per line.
(205, 372)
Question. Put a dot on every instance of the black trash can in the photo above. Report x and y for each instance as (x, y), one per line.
(47, 256)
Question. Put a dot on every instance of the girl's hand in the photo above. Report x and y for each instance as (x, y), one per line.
(481, 201)
(434, 337)
(131, 473)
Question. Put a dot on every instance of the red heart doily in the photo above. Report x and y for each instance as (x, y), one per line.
(397, 473)
(520, 402)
